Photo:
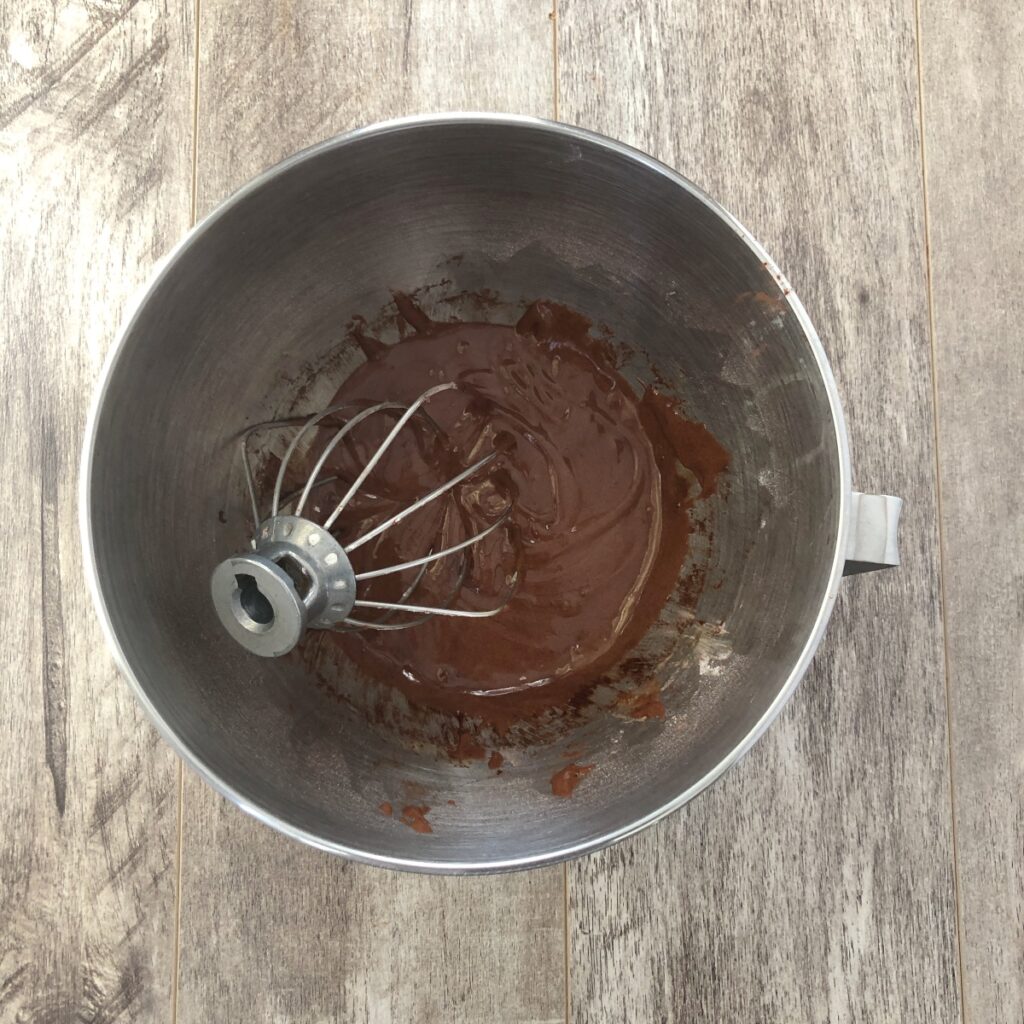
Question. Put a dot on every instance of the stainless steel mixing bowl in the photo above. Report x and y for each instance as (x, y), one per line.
(531, 209)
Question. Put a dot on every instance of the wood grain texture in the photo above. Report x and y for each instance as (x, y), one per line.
(95, 162)
(272, 930)
(973, 78)
(297, 71)
(815, 882)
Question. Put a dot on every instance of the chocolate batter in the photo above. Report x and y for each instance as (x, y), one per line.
(588, 489)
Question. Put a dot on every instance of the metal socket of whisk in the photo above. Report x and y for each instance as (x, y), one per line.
(297, 577)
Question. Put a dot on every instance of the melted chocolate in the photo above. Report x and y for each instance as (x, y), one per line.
(587, 492)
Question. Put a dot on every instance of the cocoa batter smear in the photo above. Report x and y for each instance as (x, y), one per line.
(588, 496)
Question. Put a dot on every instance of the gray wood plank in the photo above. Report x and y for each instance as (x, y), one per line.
(95, 169)
(271, 930)
(973, 87)
(815, 882)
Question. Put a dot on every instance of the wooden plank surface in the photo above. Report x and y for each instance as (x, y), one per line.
(95, 170)
(815, 881)
(271, 930)
(973, 75)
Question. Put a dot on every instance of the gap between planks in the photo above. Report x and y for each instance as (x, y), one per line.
(943, 605)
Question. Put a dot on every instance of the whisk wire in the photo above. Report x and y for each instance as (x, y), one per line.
(383, 622)
(425, 500)
(335, 441)
(384, 446)
(461, 613)
(433, 556)
(290, 450)
(287, 546)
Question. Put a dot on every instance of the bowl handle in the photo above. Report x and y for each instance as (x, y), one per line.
(872, 541)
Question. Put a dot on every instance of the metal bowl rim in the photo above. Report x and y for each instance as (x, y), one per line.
(425, 864)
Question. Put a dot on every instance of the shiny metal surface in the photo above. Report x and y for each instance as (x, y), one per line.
(530, 209)
(297, 577)
(872, 541)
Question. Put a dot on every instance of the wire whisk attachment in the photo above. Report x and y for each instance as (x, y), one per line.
(300, 576)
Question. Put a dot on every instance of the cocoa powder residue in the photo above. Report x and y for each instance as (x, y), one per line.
(416, 818)
(565, 781)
